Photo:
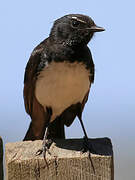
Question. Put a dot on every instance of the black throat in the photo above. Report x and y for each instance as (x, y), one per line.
(59, 52)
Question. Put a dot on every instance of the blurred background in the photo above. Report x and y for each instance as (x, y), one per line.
(110, 111)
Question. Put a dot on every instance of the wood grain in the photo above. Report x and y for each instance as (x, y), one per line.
(65, 163)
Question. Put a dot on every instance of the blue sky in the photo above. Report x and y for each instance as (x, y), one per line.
(110, 110)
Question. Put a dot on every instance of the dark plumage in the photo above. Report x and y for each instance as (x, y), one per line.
(58, 77)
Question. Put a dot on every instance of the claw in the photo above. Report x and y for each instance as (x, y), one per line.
(39, 152)
(45, 148)
(87, 147)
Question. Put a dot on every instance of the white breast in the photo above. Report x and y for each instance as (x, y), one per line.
(62, 84)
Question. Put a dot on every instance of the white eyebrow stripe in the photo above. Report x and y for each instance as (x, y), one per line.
(74, 17)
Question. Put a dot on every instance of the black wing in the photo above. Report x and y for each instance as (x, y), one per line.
(38, 115)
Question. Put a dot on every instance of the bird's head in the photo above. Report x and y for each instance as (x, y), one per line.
(74, 30)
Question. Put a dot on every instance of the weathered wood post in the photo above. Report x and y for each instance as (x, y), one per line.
(65, 163)
(1, 159)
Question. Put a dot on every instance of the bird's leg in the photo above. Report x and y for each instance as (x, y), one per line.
(46, 142)
(45, 145)
(87, 146)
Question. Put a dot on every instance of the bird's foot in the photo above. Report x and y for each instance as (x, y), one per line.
(45, 148)
(87, 147)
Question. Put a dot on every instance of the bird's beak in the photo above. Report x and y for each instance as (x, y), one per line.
(96, 28)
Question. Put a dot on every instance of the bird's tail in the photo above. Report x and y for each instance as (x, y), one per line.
(56, 130)
(30, 135)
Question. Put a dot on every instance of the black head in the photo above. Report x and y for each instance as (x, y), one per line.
(74, 30)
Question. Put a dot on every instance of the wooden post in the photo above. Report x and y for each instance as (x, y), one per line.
(66, 161)
(1, 159)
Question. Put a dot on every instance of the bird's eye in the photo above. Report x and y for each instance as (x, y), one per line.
(75, 23)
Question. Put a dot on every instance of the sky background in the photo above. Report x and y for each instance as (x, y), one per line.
(110, 111)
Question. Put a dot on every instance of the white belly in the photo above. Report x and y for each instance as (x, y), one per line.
(60, 85)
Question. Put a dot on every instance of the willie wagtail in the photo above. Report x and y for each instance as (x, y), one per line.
(58, 77)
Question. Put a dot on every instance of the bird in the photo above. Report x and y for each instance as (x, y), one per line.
(58, 78)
